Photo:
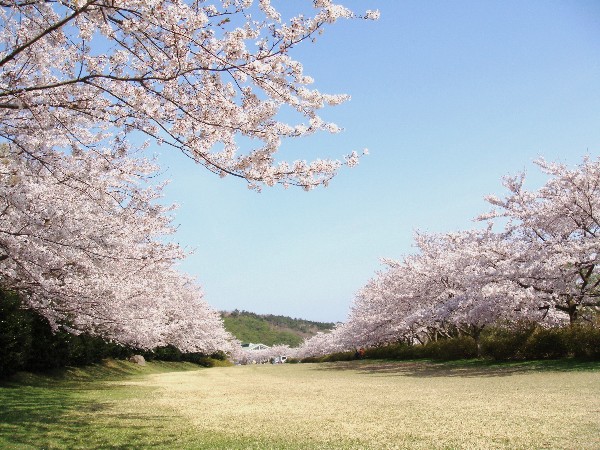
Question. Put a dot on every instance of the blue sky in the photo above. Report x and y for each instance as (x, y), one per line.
(448, 97)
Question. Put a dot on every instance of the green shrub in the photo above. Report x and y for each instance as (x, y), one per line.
(545, 343)
(460, 347)
(583, 341)
(165, 353)
(504, 343)
(196, 358)
(205, 361)
(48, 350)
(398, 351)
(312, 359)
(340, 356)
(220, 362)
(529, 341)
(171, 353)
(15, 334)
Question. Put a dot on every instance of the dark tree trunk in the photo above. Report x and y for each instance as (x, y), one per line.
(573, 314)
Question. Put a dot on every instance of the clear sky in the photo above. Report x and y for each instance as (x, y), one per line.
(448, 97)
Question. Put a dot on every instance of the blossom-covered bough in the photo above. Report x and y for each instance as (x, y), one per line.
(82, 82)
(556, 236)
(541, 267)
(196, 76)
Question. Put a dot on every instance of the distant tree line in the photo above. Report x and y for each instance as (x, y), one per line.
(271, 329)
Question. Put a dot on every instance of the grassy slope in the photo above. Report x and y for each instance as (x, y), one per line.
(360, 404)
(270, 329)
(82, 407)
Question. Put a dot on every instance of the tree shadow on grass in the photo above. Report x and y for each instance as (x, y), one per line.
(50, 417)
(463, 368)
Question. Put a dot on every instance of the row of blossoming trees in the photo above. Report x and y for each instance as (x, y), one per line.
(83, 240)
(541, 265)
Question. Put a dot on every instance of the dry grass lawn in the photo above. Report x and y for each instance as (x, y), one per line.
(337, 405)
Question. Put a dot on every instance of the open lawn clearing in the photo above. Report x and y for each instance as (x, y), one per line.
(353, 405)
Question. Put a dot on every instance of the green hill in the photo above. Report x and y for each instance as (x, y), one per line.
(269, 329)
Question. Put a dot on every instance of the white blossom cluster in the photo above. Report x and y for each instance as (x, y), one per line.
(541, 267)
(197, 76)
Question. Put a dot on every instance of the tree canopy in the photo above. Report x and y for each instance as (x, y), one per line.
(83, 239)
(192, 75)
(537, 261)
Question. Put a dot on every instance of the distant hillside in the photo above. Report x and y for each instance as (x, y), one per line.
(269, 329)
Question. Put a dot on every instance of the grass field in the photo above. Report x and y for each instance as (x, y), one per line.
(361, 404)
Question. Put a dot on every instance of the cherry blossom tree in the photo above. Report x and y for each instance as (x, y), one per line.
(197, 76)
(323, 343)
(541, 267)
(82, 237)
(448, 286)
(245, 356)
(84, 243)
(556, 236)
